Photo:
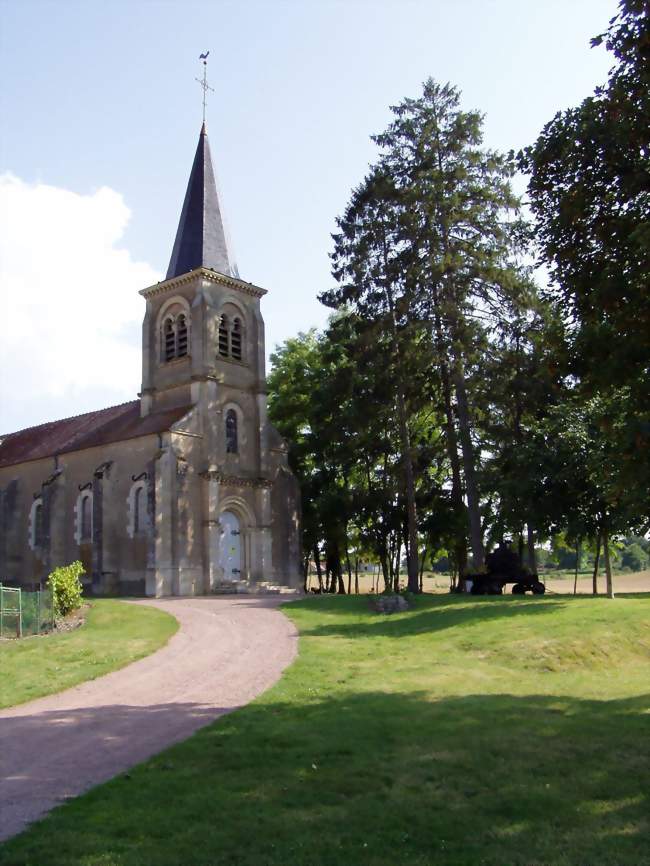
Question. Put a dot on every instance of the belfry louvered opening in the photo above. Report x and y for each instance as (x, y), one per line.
(175, 334)
(181, 336)
(235, 339)
(169, 337)
(224, 342)
(230, 341)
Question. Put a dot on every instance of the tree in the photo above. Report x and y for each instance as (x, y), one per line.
(588, 188)
(634, 557)
(367, 263)
(427, 243)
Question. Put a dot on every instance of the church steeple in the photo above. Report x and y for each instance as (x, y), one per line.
(201, 239)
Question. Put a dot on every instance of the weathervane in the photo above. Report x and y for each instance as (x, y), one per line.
(204, 81)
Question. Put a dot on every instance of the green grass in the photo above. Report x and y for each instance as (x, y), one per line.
(113, 635)
(466, 732)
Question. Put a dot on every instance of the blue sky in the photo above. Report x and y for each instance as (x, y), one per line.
(99, 95)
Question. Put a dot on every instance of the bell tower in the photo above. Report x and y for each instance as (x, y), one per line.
(226, 493)
(202, 319)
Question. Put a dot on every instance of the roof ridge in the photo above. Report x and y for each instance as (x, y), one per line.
(69, 418)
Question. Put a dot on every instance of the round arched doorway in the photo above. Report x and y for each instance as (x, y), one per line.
(230, 546)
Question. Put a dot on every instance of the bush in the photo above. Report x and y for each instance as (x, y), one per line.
(634, 558)
(66, 587)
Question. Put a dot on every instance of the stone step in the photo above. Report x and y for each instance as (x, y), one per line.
(240, 587)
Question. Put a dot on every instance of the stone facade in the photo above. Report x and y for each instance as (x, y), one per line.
(185, 491)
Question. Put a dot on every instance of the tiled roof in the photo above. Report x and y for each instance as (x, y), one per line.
(84, 431)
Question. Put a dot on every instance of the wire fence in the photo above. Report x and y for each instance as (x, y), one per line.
(25, 613)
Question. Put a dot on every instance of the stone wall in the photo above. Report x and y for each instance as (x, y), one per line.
(115, 560)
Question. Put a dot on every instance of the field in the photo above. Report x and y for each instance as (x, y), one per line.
(113, 635)
(496, 731)
(557, 582)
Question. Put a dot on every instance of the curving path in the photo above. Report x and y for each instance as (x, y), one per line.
(227, 651)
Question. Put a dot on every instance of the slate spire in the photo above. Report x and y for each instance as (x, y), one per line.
(201, 239)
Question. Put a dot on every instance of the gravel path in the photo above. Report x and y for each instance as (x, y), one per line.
(226, 652)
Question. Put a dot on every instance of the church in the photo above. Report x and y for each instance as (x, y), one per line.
(186, 490)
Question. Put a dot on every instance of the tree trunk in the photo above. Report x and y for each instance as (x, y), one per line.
(422, 564)
(405, 439)
(334, 566)
(575, 579)
(349, 567)
(594, 579)
(383, 559)
(356, 575)
(407, 457)
(471, 487)
(608, 564)
(319, 570)
(396, 568)
(451, 441)
(532, 558)
(453, 315)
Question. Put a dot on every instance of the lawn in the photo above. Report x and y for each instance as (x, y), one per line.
(113, 635)
(494, 731)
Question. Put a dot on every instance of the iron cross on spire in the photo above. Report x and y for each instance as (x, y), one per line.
(204, 81)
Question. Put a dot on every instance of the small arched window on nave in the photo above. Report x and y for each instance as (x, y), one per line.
(138, 514)
(231, 432)
(223, 336)
(169, 339)
(181, 336)
(38, 524)
(86, 518)
(235, 340)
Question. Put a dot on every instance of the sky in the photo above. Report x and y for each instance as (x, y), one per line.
(99, 118)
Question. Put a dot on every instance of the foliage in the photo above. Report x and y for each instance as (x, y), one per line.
(463, 740)
(450, 401)
(65, 583)
(327, 397)
(634, 557)
(426, 252)
(113, 635)
(588, 188)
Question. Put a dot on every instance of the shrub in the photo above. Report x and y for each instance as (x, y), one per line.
(66, 587)
(634, 558)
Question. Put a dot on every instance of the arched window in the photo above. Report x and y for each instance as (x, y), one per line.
(138, 504)
(181, 336)
(235, 341)
(231, 432)
(223, 337)
(169, 340)
(86, 518)
(137, 514)
(38, 524)
(175, 324)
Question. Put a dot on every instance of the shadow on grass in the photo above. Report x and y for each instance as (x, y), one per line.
(428, 614)
(372, 779)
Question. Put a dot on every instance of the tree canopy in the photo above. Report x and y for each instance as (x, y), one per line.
(451, 401)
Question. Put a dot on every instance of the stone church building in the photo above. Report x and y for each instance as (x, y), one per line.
(186, 490)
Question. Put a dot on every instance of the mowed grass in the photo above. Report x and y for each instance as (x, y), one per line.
(113, 635)
(496, 731)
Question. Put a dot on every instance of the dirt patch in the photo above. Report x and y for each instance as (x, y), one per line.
(639, 582)
(73, 620)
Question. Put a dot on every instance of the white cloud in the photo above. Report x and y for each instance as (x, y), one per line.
(69, 298)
